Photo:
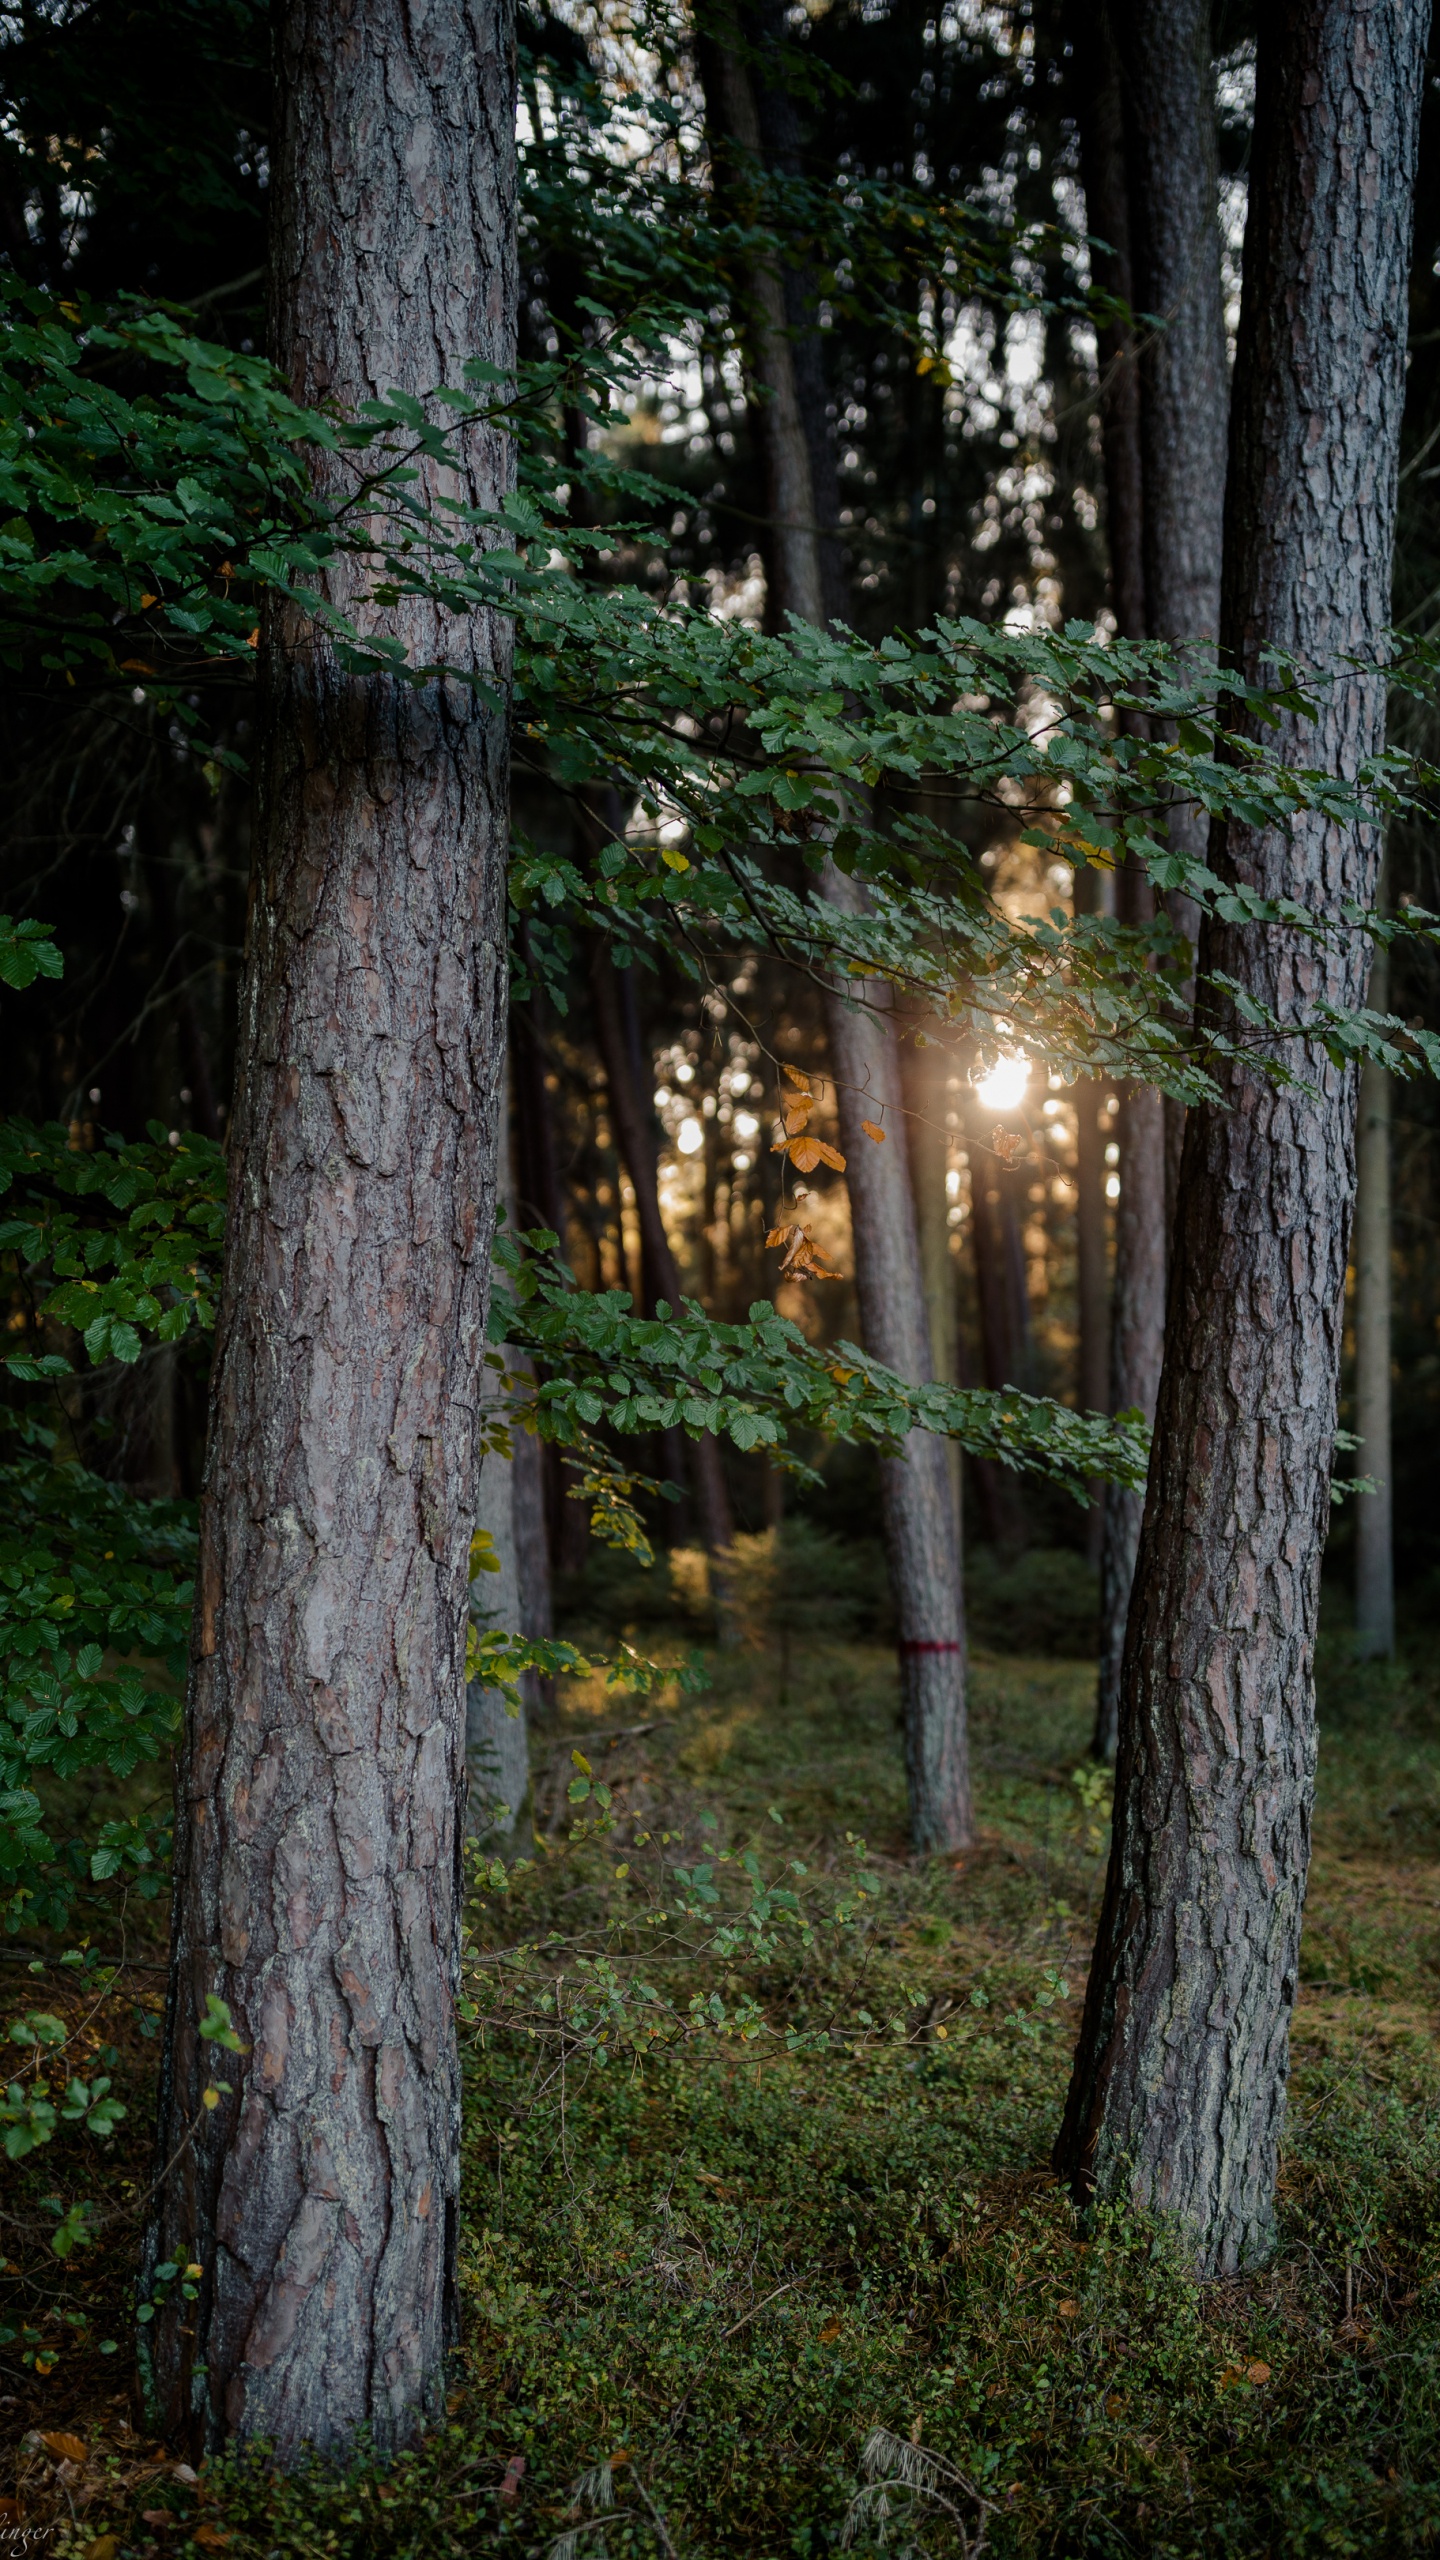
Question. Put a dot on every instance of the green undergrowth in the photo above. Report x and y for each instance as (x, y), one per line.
(743, 2298)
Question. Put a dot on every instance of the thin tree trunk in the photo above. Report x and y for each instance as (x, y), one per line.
(917, 1507)
(1178, 2093)
(1103, 175)
(635, 1134)
(921, 1530)
(1374, 1525)
(318, 1870)
(925, 1073)
(1137, 1343)
(497, 1743)
(1092, 1287)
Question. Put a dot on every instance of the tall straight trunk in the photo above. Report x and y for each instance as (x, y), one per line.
(516, 1599)
(925, 1075)
(633, 1120)
(1137, 1337)
(1374, 1517)
(917, 1509)
(1169, 89)
(917, 1505)
(318, 1871)
(1178, 2093)
(1093, 894)
(1101, 122)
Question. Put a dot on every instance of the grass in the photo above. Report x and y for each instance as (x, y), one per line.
(699, 2291)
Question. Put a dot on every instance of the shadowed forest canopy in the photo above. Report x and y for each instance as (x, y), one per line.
(718, 1199)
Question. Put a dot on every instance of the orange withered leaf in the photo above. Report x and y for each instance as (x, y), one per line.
(797, 1112)
(873, 1130)
(1008, 1145)
(797, 1077)
(65, 2448)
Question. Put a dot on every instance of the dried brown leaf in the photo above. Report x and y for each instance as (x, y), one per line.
(873, 1130)
(1008, 1145)
(65, 2448)
(805, 1154)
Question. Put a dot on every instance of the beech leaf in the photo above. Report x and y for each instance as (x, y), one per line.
(873, 1130)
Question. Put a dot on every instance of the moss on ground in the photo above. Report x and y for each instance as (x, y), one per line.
(697, 2290)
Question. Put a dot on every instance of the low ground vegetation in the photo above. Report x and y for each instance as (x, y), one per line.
(765, 2298)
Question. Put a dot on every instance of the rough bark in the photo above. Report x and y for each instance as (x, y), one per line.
(1169, 92)
(1374, 1518)
(318, 1822)
(1178, 2093)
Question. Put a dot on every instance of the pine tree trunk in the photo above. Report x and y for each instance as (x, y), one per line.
(1374, 1517)
(1168, 80)
(1103, 175)
(318, 1822)
(924, 1073)
(921, 1528)
(1178, 2093)
(922, 1539)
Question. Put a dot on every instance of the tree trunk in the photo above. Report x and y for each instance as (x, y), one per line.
(917, 1507)
(1137, 1339)
(925, 1076)
(634, 1126)
(1169, 90)
(497, 1743)
(1093, 895)
(1100, 118)
(1178, 2093)
(1137, 1343)
(318, 1874)
(1374, 1529)
(921, 1530)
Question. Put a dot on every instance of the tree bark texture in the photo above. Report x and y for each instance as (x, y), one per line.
(318, 1866)
(1169, 90)
(1178, 2094)
(917, 1505)
(1374, 1513)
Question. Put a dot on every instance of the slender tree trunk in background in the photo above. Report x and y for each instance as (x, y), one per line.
(318, 1868)
(1093, 895)
(1374, 1517)
(917, 1506)
(1100, 118)
(921, 1531)
(1092, 1289)
(1001, 1322)
(1169, 90)
(1137, 1337)
(925, 1074)
(497, 1743)
(635, 1133)
(1178, 2093)
(1137, 1344)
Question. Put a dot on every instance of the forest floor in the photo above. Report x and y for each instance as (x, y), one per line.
(693, 2293)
